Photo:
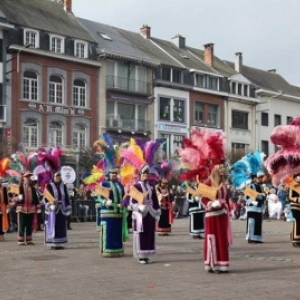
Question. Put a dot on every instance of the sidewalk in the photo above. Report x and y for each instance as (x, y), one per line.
(258, 271)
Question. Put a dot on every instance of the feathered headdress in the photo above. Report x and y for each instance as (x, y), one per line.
(286, 161)
(242, 170)
(200, 153)
(19, 163)
(138, 155)
(48, 162)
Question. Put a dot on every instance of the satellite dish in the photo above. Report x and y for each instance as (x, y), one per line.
(68, 174)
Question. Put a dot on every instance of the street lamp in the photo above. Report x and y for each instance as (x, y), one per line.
(18, 55)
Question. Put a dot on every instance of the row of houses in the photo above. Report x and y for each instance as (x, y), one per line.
(66, 80)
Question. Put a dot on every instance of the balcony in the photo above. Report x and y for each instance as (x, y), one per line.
(129, 125)
(128, 85)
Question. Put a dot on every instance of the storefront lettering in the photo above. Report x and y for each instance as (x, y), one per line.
(43, 108)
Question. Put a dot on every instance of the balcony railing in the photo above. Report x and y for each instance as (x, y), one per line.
(128, 84)
(133, 125)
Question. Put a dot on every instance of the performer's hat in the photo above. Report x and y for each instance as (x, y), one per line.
(260, 174)
(114, 170)
(33, 178)
(27, 174)
(58, 173)
(145, 169)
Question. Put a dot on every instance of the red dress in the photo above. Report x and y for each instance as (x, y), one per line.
(217, 232)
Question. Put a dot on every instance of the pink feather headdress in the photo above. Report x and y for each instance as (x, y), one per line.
(200, 153)
(286, 161)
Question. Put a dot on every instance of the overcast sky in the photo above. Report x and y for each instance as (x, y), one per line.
(267, 32)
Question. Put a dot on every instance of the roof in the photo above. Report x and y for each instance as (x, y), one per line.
(44, 15)
(268, 80)
(219, 65)
(112, 43)
(149, 48)
(182, 55)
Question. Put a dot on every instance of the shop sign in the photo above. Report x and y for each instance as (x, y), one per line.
(45, 108)
(172, 127)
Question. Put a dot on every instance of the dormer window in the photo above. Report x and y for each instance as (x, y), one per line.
(81, 49)
(240, 89)
(57, 44)
(169, 74)
(32, 38)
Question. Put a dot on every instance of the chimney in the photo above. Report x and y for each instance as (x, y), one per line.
(145, 32)
(209, 54)
(179, 41)
(272, 71)
(238, 62)
(68, 5)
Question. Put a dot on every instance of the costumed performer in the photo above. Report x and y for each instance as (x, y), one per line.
(284, 167)
(142, 199)
(206, 151)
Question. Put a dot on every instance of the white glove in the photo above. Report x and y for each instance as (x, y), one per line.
(157, 218)
(216, 204)
(7, 210)
(108, 202)
(38, 211)
(20, 197)
(52, 207)
(68, 213)
(141, 207)
(197, 198)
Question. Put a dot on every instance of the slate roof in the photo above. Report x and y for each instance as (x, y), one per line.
(268, 80)
(117, 45)
(44, 15)
(149, 48)
(219, 65)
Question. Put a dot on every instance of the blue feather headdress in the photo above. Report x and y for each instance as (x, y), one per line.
(242, 170)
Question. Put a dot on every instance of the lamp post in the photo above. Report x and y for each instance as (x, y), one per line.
(18, 55)
(76, 155)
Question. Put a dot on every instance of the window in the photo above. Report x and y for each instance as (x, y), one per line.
(201, 80)
(81, 49)
(57, 44)
(142, 123)
(56, 89)
(238, 150)
(30, 133)
(213, 83)
(79, 93)
(239, 89)
(165, 108)
(31, 37)
(212, 117)
(245, 90)
(198, 112)
(178, 111)
(289, 119)
(239, 119)
(176, 76)
(265, 147)
(166, 74)
(177, 141)
(127, 115)
(264, 119)
(56, 134)
(30, 85)
(233, 88)
(277, 120)
(79, 135)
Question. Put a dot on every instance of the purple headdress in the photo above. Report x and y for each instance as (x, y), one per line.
(48, 164)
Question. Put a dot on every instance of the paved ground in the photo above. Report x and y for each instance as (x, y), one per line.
(260, 271)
